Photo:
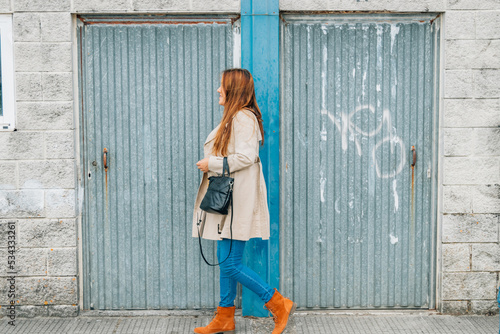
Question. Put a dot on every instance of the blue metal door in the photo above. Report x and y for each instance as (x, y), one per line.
(358, 159)
(148, 101)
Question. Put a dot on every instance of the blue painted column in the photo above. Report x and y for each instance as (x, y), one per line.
(498, 301)
(259, 55)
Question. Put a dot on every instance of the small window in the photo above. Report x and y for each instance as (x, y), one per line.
(7, 112)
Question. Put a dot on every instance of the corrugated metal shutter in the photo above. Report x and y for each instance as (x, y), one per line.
(149, 97)
(357, 221)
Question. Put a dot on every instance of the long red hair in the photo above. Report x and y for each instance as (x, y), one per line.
(237, 83)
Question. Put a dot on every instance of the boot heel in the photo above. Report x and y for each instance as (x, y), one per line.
(228, 332)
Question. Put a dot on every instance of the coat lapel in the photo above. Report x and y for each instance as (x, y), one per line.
(211, 135)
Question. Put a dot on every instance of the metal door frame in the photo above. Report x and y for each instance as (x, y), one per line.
(79, 21)
(435, 264)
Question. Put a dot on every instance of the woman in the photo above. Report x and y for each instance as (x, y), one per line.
(237, 137)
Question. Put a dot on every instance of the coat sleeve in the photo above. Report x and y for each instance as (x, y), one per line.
(246, 150)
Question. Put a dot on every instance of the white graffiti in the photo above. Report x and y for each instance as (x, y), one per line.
(322, 183)
(350, 131)
(395, 192)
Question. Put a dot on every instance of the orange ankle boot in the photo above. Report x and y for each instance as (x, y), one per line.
(222, 322)
(281, 308)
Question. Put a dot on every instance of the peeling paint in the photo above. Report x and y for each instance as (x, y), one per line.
(394, 32)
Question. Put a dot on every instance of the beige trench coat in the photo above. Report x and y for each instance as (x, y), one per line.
(251, 214)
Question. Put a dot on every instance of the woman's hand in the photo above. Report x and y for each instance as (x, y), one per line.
(203, 165)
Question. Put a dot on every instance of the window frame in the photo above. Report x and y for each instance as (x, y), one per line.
(7, 120)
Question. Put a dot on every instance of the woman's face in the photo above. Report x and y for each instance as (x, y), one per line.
(222, 94)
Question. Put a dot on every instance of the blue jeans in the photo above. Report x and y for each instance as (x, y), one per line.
(233, 271)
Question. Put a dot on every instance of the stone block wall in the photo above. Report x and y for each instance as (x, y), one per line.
(471, 163)
(37, 163)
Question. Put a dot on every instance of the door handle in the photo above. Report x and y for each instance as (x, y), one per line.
(105, 159)
(414, 156)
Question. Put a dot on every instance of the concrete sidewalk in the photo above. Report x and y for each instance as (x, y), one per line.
(95, 322)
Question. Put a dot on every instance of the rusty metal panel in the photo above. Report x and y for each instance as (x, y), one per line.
(357, 219)
(148, 96)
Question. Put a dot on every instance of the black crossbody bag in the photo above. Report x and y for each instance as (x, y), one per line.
(217, 199)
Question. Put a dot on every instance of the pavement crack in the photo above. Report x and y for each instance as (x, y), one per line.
(117, 325)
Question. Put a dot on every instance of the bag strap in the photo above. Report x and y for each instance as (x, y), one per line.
(230, 227)
(225, 166)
